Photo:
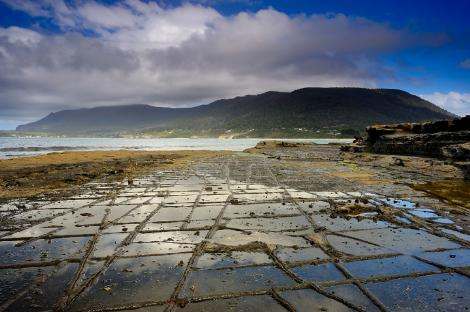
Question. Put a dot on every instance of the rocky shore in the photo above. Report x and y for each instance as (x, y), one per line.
(448, 140)
(285, 226)
(62, 173)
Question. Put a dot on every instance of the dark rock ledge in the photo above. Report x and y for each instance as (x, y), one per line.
(445, 139)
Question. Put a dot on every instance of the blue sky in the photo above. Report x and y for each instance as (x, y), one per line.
(67, 54)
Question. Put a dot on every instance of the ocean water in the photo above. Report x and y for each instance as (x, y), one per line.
(18, 147)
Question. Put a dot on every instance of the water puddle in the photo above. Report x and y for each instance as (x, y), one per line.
(318, 273)
(260, 210)
(117, 211)
(331, 194)
(300, 254)
(246, 304)
(270, 224)
(404, 240)
(301, 195)
(130, 280)
(353, 294)
(187, 237)
(44, 295)
(400, 265)
(39, 214)
(206, 212)
(450, 258)
(339, 224)
(223, 281)
(120, 228)
(16, 280)
(166, 226)
(253, 198)
(171, 214)
(189, 198)
(107, 244)
(306, 299)
(31, 232)
(402, 220)
(232, 259)
(77, 231)
(199, 224)
(443, 221)
(315, 206)
(41, 250)
(456, 234)
(457, 192)
(438, 292)
(210, 199)
(424, 213)
(138, 200)
(399, 203)
(237, 238)
(76, 203)
(139, 214)
(353, 247)
(144, 249)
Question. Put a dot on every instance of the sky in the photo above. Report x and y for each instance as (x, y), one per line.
(58, 54)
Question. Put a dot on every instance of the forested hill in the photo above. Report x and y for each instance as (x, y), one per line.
(308, 111)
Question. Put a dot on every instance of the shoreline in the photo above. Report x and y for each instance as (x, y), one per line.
(60, 174)
(65, 172)
(17, 147)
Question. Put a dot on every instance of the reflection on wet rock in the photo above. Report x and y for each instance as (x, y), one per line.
(240, 233)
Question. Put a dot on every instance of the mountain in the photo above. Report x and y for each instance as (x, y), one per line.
(303, 112)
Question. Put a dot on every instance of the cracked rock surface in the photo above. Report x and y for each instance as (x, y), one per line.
(295, 229)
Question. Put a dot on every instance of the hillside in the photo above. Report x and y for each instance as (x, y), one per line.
(303, 112)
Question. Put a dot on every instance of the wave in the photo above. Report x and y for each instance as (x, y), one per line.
(42, 148)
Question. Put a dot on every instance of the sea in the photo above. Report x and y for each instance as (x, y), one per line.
(21, 147)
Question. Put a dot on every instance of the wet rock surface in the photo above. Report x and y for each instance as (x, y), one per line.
(284, 228)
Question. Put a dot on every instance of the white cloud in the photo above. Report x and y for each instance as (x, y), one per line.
(33, 8)
(106, 17)
(454, 102)
(186, 55)
(20, 35)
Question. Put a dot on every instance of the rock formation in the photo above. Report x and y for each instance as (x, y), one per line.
(444, 138)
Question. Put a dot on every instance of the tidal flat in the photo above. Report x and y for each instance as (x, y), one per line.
(287, 227)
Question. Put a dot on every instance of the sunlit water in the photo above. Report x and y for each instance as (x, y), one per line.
(16, 147)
